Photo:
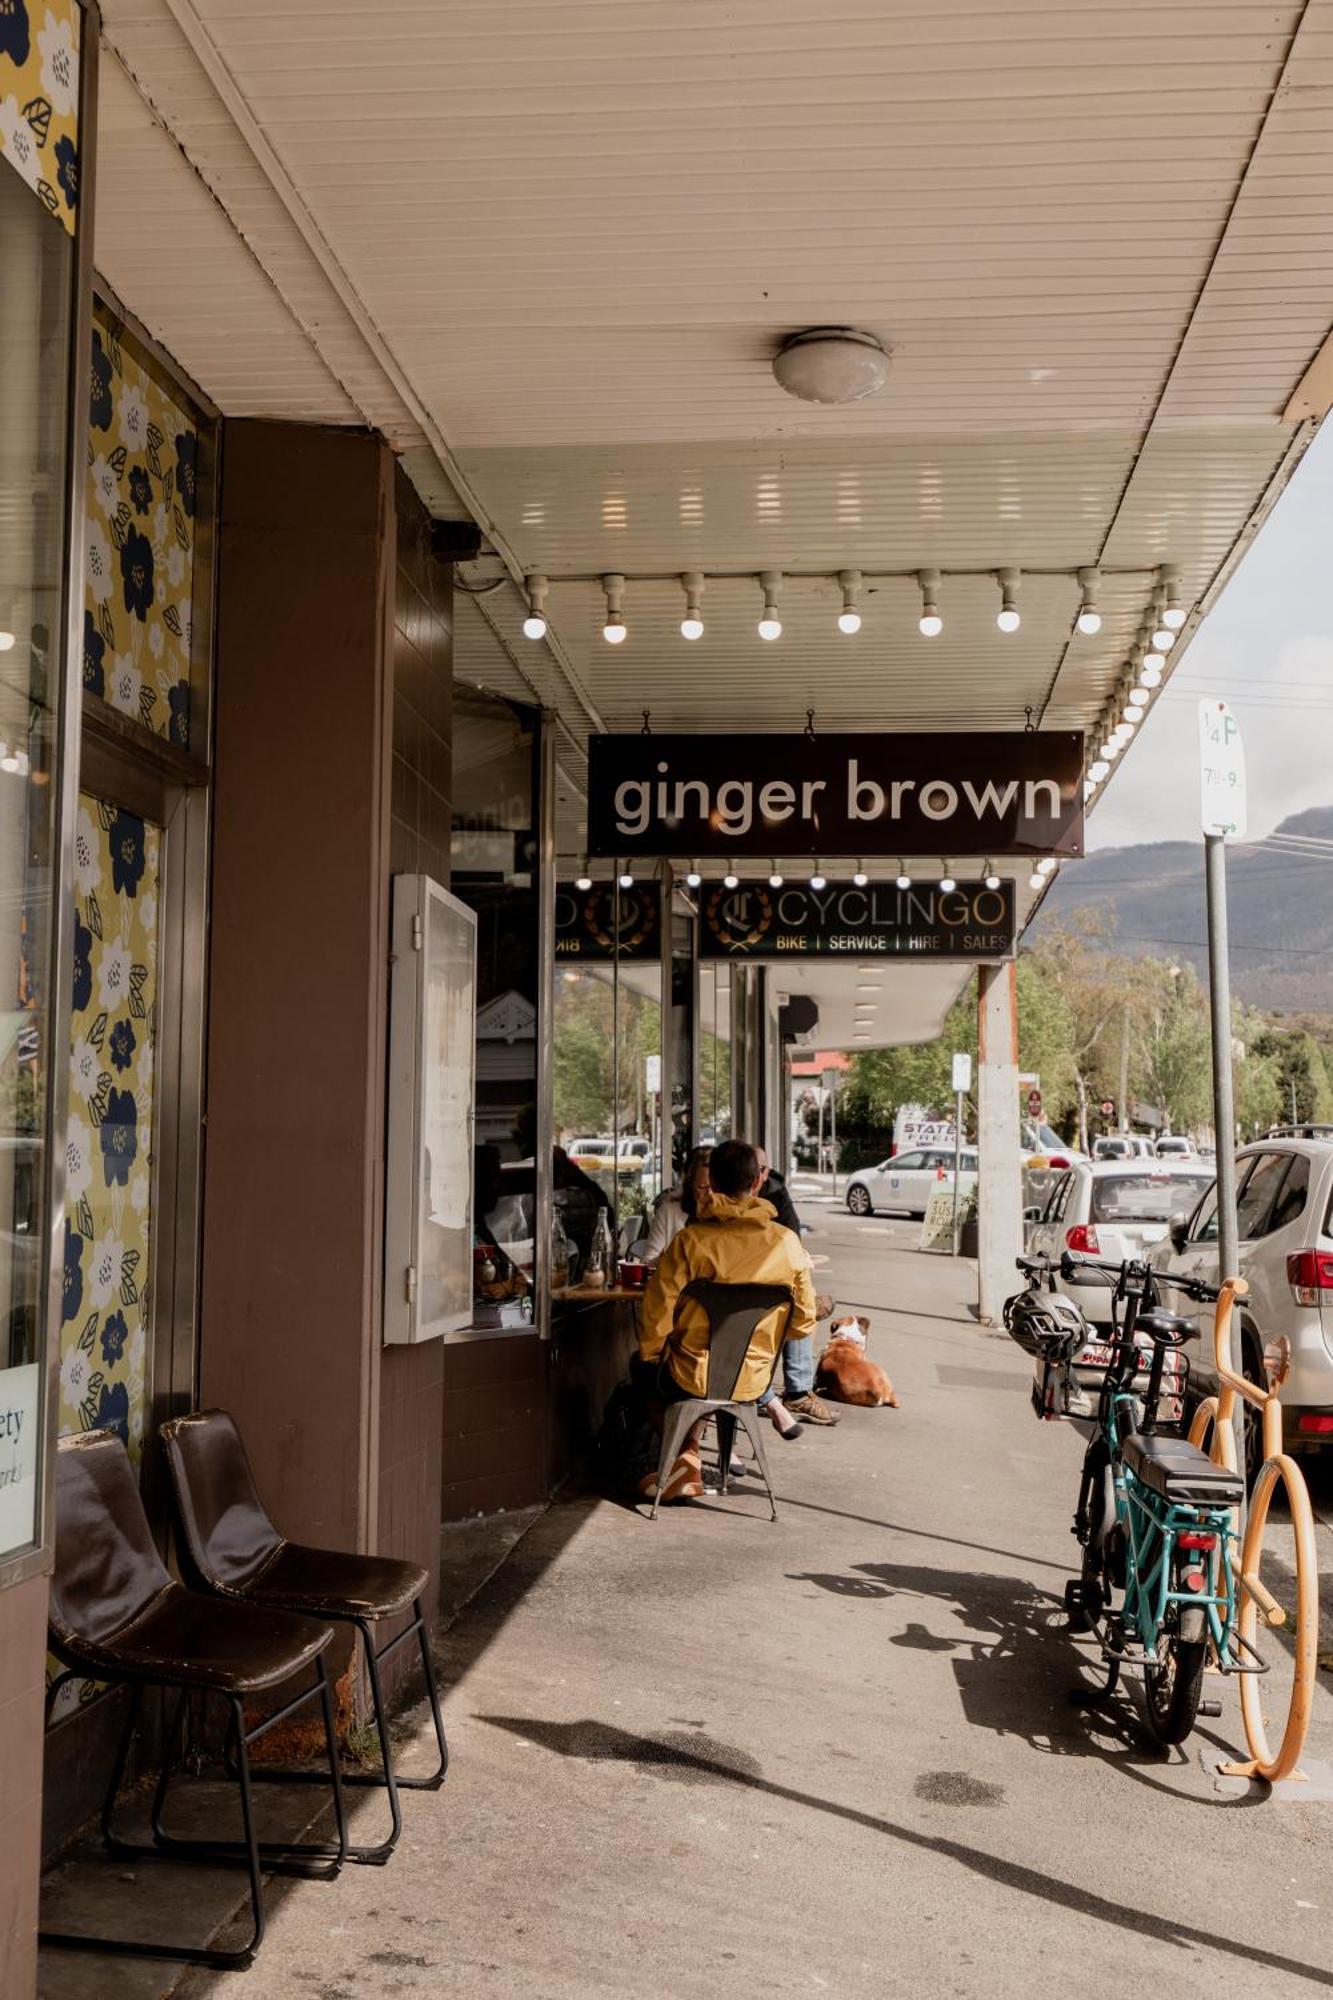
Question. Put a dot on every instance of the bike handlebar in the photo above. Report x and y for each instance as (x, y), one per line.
(1071, 1266)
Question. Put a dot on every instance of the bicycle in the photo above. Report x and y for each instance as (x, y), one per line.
(1161, 1587)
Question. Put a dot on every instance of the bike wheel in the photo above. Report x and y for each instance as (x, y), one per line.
(1174, 1689)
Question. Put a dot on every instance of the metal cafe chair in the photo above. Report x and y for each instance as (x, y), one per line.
(229, 1546)
(117, 1616)
(733, 1311)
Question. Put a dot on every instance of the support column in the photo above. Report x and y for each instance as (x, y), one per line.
(1000, 1193)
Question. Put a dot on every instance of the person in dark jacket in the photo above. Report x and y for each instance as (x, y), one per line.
(798, 1356)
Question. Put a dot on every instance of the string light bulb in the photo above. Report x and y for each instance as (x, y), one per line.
(694, 879)
(1150, 676)
(7, 642)
(860, 878)
(731, 880)
(583, 882)
(626, 878)
(770, 625)
(1098, 770)
(849, 618)
(1008, 617)
(817, 881)
(947, 883)
(534, 625)
(692, 624)
(1046, 866)
(1089, 620)
(990, 877)
(930, 624)
(615, 629)
(775, 879)
(1036, 881)
(904, 879)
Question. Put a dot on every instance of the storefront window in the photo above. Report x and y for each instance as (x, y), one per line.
(38, 202)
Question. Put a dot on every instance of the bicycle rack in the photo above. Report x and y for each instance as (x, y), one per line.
(1255, 1598)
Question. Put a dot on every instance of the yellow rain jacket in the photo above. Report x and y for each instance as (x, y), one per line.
(737, 1241)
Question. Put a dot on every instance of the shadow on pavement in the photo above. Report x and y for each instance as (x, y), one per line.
(592, 1740)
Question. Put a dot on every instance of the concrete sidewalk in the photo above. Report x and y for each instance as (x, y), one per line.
(836, 1755)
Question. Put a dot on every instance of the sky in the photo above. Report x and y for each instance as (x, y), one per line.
(1267, 648)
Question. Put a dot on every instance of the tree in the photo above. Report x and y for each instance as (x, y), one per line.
(1175, 1046)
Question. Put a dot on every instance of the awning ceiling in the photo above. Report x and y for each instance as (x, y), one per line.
(549, 250)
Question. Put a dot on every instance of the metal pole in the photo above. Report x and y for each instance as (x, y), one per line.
(1123, 1106)
(1224, 1115)
(819, 1161)
(957, 1164)
(833, 1136)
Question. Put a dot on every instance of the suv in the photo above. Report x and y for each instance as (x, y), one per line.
(1175, 1146)
(1284, 1214)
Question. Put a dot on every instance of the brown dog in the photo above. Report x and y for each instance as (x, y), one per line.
(845, 1374)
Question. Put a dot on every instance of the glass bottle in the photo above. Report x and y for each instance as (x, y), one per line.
(600, 1271)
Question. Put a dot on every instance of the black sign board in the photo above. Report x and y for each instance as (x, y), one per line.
(605, 922)
(968, 921)
(964, 792)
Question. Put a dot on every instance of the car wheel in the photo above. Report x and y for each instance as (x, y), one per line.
(858, 1200)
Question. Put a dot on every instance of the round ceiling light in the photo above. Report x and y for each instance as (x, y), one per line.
(831, 364)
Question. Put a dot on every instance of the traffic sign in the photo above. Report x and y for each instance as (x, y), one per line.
(962, 1072)
(1108, 1107)
(1034, 1104)
(1221, 770)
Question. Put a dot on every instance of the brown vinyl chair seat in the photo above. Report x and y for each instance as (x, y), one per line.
(235, 1550)
(115, 1610)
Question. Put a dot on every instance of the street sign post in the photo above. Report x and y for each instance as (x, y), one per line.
(962, 1083)
(1222, 813)
(1034, 1104)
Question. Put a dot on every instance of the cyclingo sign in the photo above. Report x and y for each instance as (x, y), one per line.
(879, 920)
(998, 793)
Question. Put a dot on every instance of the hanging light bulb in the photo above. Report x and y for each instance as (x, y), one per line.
(1089, 620)
(731, 880)
(1173, 617)
(1150, 676)
(770, 625)
(1135, 710)
(990, 878)
(904, 879)
(1163, 639)
(583, 882)
(849, 618)
(1098, 770)
(694, 878)
(947, 883)
(626, 878)
(534, 625)
(7, 642)
(1007, 617)
(775, 879)
(860, 878)
(1046, 866)
(817, 881)
(1153, 663)
(1111, 748)
(1088, 789)
(615, 628)
(692, 624)
(1036, 881)
(930, 624)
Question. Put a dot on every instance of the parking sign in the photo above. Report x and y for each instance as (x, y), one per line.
(1221, 770)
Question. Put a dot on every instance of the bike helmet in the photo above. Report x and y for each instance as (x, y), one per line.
(1045, 1323)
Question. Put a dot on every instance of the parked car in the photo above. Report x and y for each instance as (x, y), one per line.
(904, 1183)
(1175, 1146)
(1284, 1216)
(1123, 1146)
(1111, 1209)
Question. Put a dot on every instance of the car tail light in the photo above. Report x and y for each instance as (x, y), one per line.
(1315, 1424)
(1310, 1272)
(1083, 1236)
(1058, 1161)
(1196, 1539)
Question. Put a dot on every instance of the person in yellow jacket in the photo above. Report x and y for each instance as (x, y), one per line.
(736, 1240)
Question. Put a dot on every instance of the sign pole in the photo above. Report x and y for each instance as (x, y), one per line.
(833, 1130)
(962, 1083)
(1222, 772)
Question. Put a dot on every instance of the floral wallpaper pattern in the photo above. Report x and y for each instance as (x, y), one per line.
(107, 1307)
(139, 560)
(39, 100)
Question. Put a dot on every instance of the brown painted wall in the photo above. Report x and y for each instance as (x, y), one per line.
(294, 1155)
(22, 1681)
(412, 1378)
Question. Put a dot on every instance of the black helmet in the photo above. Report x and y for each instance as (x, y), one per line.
(1045, 1323)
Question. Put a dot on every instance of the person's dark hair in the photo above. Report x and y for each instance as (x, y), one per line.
(734, 1167)
(699, 1156)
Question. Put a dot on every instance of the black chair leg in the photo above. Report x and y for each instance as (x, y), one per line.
(436, 1778)
(726, 1440)
(181, 1954)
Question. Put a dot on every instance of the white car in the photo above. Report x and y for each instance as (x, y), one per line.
(905, 1182)
(1284, 1195)
(1112, 1209)
(1123, 1146)
(1175, 1146)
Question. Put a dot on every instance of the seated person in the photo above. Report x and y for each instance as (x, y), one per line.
(798, 1356)
(679, 1205)
(735, 1241)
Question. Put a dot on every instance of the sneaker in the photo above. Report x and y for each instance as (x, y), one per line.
(809, 1409)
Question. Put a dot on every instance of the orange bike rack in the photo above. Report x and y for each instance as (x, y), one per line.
(1219, 1412)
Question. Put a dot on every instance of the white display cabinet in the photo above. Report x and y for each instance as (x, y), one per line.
(428, 1222)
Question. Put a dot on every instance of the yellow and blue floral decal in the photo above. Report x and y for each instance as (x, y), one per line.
(40, 42)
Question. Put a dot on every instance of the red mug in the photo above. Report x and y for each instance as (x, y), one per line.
(633, 1274)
